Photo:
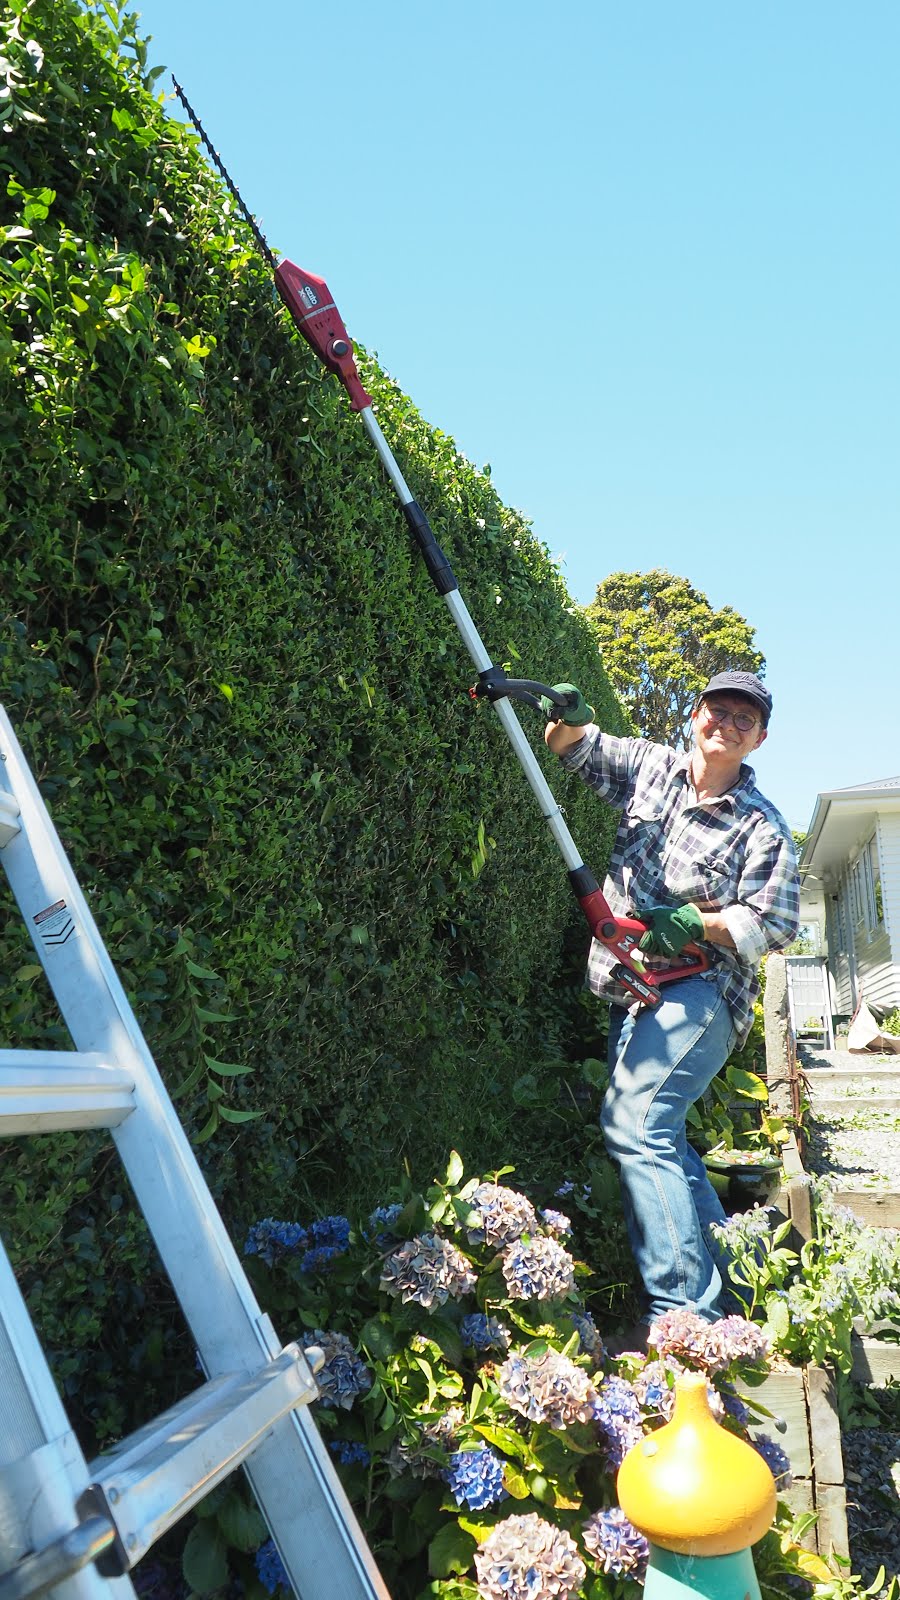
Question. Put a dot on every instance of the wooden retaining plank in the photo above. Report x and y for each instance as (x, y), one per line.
(783, 1394)
(878, 1209)
(832, 1532)
(875, 1362)
(800, 1499)
(824, 1427)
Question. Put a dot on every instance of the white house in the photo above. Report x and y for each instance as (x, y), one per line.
(850, 876)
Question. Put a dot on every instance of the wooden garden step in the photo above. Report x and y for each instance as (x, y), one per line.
(815, 1060)
(853, 1081)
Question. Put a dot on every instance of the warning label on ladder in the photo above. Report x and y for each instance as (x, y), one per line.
(54, 923)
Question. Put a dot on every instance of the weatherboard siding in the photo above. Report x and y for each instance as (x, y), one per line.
(889, 855)
(877, 974)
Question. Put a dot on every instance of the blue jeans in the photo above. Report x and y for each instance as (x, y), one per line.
(661, 1060)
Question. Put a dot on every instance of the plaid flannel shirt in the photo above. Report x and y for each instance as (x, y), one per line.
(733, 854)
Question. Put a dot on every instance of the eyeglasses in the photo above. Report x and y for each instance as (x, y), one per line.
(742, 720)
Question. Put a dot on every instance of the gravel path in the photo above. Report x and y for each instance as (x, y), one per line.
(872, 1473)
(861, 1149)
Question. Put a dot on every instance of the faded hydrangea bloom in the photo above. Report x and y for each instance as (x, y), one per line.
(732, 1341)
(438, 1437)
(499, 1216)
(343, 1376)
(537, 1270)
(429, 1270)
(526, 1558)
(547, 1388)
(680, 1333)
(714, 1346)
(616, 1545)
(654, 1387)
(479, 1332)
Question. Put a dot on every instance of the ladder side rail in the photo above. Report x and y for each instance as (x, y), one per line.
(173, 1194)
(294, 1478)
(42, 1468)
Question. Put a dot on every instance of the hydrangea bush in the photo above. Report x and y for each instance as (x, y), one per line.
(469, 1404)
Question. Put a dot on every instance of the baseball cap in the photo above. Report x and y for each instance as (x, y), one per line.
(745, 683)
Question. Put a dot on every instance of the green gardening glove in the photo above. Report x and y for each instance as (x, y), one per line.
(576, 715)
(671, 928)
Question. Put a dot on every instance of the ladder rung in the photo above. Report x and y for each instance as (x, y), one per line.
(153, 1478)
(9, 817)
(46, 1091)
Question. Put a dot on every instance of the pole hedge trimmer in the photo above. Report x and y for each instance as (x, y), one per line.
(312, 308)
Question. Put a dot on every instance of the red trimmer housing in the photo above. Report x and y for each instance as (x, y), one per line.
(309, 301)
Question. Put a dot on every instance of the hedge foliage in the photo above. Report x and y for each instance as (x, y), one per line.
(312, 858)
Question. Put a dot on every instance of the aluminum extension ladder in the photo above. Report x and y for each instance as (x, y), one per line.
(74, 1528)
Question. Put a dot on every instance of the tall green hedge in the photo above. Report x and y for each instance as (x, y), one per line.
(311, 856)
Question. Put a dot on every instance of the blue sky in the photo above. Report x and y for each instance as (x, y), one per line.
(645, 260)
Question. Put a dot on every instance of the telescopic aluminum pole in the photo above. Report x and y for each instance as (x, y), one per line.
(446, 584)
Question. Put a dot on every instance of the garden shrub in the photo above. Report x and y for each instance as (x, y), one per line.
(315, 862)
(473, 1412)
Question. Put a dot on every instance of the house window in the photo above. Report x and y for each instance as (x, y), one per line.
(857, 892)
(876, 896)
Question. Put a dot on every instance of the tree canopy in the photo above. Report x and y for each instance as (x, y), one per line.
(661, 641)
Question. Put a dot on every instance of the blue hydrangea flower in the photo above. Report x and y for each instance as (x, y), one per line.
(332, 1232)
(775, 1458)
(475, 1478)
(328, 1237)
(381, 1225)
(526, 1558)
(588, 1335)
(270, 1568)
(343, 1376)
(735, 1407)
(616, 1545)
(556, 1222)
(272, 1240)
(565, 1188)
(479, 1332)
(617, 1413)
(349, 1453)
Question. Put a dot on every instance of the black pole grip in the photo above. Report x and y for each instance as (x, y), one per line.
(439, 568)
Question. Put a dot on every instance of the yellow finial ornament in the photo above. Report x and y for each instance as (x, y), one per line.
(693, 1487)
